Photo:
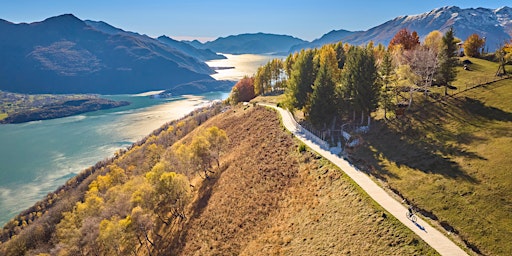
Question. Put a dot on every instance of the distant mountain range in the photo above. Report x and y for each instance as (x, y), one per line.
(258, 43)
(64, 54)
(493, 24)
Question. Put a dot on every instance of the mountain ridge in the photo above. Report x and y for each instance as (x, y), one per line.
(250, 43)
(63, 54)
(493, 24)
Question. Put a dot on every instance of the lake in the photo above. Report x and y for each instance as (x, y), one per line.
(38, 157)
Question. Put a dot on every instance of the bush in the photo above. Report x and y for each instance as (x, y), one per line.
(302, 148)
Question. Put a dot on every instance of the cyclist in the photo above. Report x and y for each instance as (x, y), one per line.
(410, 211)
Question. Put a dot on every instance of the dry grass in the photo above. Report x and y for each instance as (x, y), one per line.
(269, 199)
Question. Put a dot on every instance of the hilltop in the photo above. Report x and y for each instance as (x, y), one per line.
(280, 200)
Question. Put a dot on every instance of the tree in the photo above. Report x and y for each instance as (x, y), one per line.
(243, 91)
(359, 82)
(386, 71)
(218, 141)
(424, 64)
(323, 107)
(434, 41)
(406, 79)
(504, 55)
(204, 149)
(406, 39)
(473, 45)
(340, 54)
(447, 61)
(300, 83)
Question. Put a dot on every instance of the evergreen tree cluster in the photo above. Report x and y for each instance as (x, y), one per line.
(341, 82)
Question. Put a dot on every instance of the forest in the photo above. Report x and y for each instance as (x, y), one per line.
(341, 83)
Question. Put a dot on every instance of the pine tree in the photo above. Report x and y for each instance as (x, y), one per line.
(447, 61)
(385, 73)
(359, 82)
(300, 84)
(323, 107)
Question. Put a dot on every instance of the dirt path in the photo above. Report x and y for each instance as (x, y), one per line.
(432, 236)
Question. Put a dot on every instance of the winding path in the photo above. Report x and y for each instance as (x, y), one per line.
(430, 235)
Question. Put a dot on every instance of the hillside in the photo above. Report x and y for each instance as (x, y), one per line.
(494, 25)
(64, 54)
(450, 158)
(261, 200)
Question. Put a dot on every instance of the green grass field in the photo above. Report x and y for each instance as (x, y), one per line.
(452, 158)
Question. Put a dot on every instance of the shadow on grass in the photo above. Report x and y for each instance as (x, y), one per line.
(421, 153)
(429, 137)
(479, 109)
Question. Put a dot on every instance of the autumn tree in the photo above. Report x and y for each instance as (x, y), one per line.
(269, 77)
(434, 41)
(243, 91)
(262, 80)
(473, 45)
(504, 55)
(405, 38)
(218, 141)
(204, 149)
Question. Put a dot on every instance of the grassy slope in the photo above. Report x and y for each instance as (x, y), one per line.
(452, 158)
(271, 200)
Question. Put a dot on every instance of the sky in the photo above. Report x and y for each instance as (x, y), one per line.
(207, 20)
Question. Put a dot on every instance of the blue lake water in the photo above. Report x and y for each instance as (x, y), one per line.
(38, 157)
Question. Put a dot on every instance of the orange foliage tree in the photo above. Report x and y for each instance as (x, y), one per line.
(472, 45)
(405, 38)
(243, 90)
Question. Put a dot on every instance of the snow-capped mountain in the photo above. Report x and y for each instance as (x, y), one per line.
(494, 25)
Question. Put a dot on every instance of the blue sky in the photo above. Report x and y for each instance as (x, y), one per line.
(208, 20)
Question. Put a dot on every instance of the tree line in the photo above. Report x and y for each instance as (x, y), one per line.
(342, 82)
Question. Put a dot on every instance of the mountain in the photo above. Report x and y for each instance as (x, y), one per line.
(259, 43)
(493, 24)
(64, 54)
(201, 54)
(329, 38)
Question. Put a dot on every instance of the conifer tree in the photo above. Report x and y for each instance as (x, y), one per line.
(359, 88)
(300, 84)
(323, 107)
(386, 74)
(447, 61)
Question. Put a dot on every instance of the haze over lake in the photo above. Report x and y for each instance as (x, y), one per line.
(244, 64)
(38, 157)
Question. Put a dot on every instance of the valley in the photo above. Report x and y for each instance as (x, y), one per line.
(121, 143)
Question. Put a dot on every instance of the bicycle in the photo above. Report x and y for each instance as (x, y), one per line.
(410, 215)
